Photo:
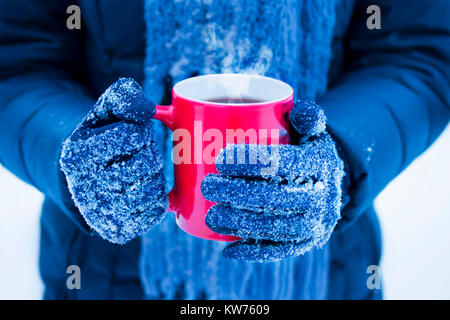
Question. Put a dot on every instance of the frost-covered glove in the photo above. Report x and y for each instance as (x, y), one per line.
(112, 166)
(281, 200)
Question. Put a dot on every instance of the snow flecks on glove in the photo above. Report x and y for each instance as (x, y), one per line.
(266, 251)
(293, 163)
(124, 99)
(307, 118)
(275, 226)
(112, 165)
(262, 194)
(283, 214)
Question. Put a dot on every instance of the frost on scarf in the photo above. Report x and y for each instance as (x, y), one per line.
(175, 265)
(112, 166)
(288, 40)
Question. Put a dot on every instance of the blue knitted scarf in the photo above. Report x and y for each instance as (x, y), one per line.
(285, 39)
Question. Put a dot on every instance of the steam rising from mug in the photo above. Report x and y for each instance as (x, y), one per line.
(239, 56)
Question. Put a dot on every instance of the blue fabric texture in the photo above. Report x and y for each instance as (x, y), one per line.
(386, 101)
(194, 268)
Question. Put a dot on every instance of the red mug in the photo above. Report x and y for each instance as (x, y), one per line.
(208, 112)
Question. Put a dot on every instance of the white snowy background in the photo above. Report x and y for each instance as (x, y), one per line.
(414, 211)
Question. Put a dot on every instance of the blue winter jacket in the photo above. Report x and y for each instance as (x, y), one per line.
(387, 101)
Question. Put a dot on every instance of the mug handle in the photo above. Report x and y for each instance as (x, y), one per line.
(165, 115)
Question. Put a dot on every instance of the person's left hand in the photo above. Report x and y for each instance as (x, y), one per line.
(285, 203)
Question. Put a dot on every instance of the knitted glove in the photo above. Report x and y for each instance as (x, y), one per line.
(285, 203)
(112, 166)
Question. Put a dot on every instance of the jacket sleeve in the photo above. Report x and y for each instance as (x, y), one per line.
(391, 102)
(40, 101)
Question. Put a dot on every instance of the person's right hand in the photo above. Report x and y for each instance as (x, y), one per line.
(112, 165)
